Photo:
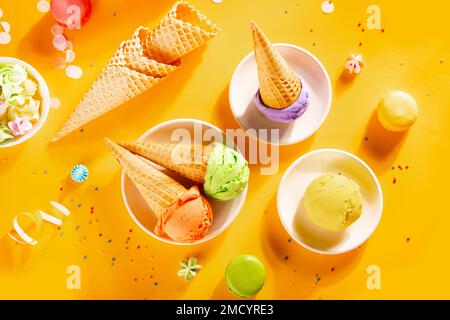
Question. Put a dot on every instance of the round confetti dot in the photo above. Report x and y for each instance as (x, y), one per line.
(5, 38)
(43, 6)
(60, 63)
(327, 7)
(217, 1)
(74, 72)
(69, 45)
(6, 26)
(70, 56)
(60, 42)
(55, 103)
(57, 30)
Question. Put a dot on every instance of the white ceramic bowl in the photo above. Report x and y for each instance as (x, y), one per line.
(44, 96)
(244, 85)
(294, 184)
(224, 211)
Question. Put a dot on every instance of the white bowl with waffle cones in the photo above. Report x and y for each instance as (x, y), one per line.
(178, 179)
(293, 88)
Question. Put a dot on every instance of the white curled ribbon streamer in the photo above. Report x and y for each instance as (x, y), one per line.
(37, 220)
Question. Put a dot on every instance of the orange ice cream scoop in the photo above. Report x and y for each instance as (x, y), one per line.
(188, 219)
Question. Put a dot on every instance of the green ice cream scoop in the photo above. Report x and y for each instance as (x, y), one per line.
(245, 276)
(333, 201)
(226, 174)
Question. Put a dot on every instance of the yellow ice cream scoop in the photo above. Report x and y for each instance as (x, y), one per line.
(397, 111)
(333, 201)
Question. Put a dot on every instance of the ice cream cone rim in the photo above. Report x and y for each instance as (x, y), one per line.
(213, 27)
(176, 158)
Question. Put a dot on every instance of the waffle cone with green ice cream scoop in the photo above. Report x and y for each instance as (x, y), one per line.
(141, 62)
(182, 215)
(223, 172)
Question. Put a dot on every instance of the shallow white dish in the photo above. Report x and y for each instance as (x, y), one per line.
(244, 85)
(44, 96)
(224, 211)
(294, 183)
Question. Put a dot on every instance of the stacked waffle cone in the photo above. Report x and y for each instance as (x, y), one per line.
(279, 85)
(141, 62)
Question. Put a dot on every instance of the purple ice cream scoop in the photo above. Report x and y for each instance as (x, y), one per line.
(288, 114)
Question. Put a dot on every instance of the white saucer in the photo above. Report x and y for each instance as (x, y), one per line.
(244, 85)
(294, 183)
(224, 211)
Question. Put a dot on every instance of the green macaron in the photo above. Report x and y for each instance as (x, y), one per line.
(245, 276)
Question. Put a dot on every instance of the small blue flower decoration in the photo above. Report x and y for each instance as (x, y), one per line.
(79, 173)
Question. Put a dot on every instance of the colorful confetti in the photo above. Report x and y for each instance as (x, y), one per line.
(5, 38)
(327, 7)
(55, 103)
(60, 63)
(70, 56)
(63, 44)
(317, 279)
(6, 26)
(57, 30)
(60, 42)
(43, 6)
(74, 72)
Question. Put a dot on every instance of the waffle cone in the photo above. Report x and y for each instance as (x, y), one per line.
(182, 30)
(159, 190)
(278, 84)
(190, 161)
(141, 62)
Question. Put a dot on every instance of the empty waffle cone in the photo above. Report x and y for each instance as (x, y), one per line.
(159, 190)
(190, 161)
(141, 62)
(278, 84)
(182, 30)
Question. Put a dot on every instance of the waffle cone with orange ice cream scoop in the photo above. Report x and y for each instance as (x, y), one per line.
(281, 96)
(141, 62)
(182, 215)
(223, 171)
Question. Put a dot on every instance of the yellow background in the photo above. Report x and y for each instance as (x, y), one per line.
(411, 55)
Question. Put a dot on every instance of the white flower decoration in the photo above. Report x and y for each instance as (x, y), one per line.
(354, 64)
(189, 269)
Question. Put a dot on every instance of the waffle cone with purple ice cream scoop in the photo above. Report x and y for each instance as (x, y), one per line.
(281, 96)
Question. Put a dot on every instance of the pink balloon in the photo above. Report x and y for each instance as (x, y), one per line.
(72, 14)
